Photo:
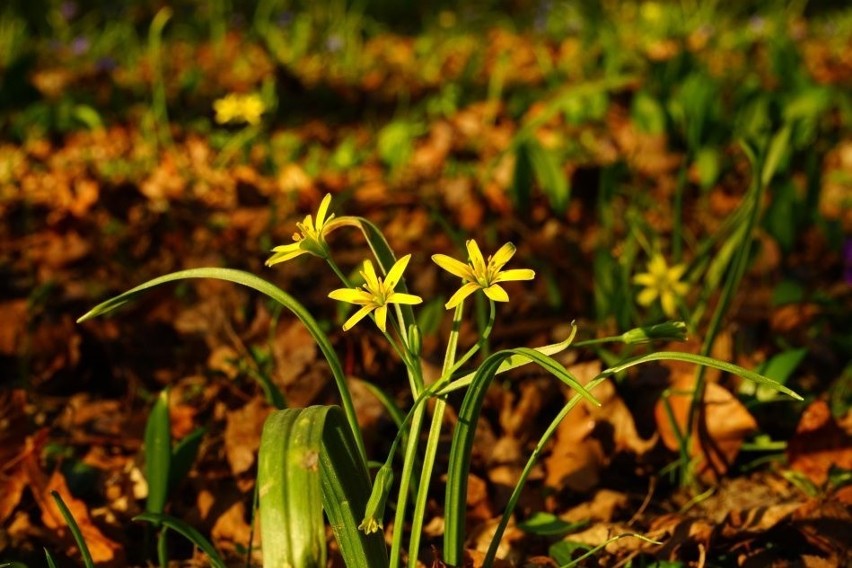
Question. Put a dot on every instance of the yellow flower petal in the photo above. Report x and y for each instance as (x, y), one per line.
(669, 304)
(501, 257)
(395, 273)
(382, 317)
(351, 295)
(515, 274)
(461, 294)
(323, 209)
(284, 253)
(645, 279)
(647, 296)
(676, 271)
(453, 266)
(358, 316)
(476, 259)
(496, 293)
(411, 299)
(370, 277)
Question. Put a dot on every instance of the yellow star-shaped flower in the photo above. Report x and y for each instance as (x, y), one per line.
(310, 238)
(376, 294)
(239, 108)
(479, 275)
(662, 282)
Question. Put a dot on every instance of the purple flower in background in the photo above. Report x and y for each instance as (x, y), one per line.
(106, 64)
(284, 18)
(847, 261)
(80, 45)
(68, 10)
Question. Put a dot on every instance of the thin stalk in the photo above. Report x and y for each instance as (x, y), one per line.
(528, 467)
(155, 50)
(405, 482)
(432, 443)
(735, 276)
(677, 230)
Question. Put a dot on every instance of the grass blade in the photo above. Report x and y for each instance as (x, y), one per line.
(187, 531)
(75, 530)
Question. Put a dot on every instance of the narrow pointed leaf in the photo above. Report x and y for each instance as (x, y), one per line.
(706, 362)
(158, 454)
(186, 531)
(251, 281)
(75, 530)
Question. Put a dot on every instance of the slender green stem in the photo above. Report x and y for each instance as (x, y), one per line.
(528, 467)
(735, 276)
(405, 482)
(432, 442)
(598, 341)
(155, 50)
(163, 547)
(677, 230)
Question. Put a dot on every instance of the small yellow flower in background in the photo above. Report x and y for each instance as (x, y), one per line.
(479, 275)
(376, 294)
(662, 282)
(239, 108)
(310, 238)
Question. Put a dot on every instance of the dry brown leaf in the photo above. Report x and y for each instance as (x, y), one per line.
(590, 436)
(601, 508)
(231, 531)
(819, 443)
(13, 314)
(723, 423)
(13, 481)
(104, 551)
(243, 428)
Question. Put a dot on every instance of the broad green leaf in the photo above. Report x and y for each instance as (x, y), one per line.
(309, 462)
(158, 453)
(251, 281)
(187, 531)
(75, 530)
(290, 497)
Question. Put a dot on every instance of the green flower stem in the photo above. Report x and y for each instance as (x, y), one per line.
(600, 340)
(735, 276)
(528, 467)
(433, 439)
(405, 482)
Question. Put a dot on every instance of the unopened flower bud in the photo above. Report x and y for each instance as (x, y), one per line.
(375, 511)
(415, 340)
